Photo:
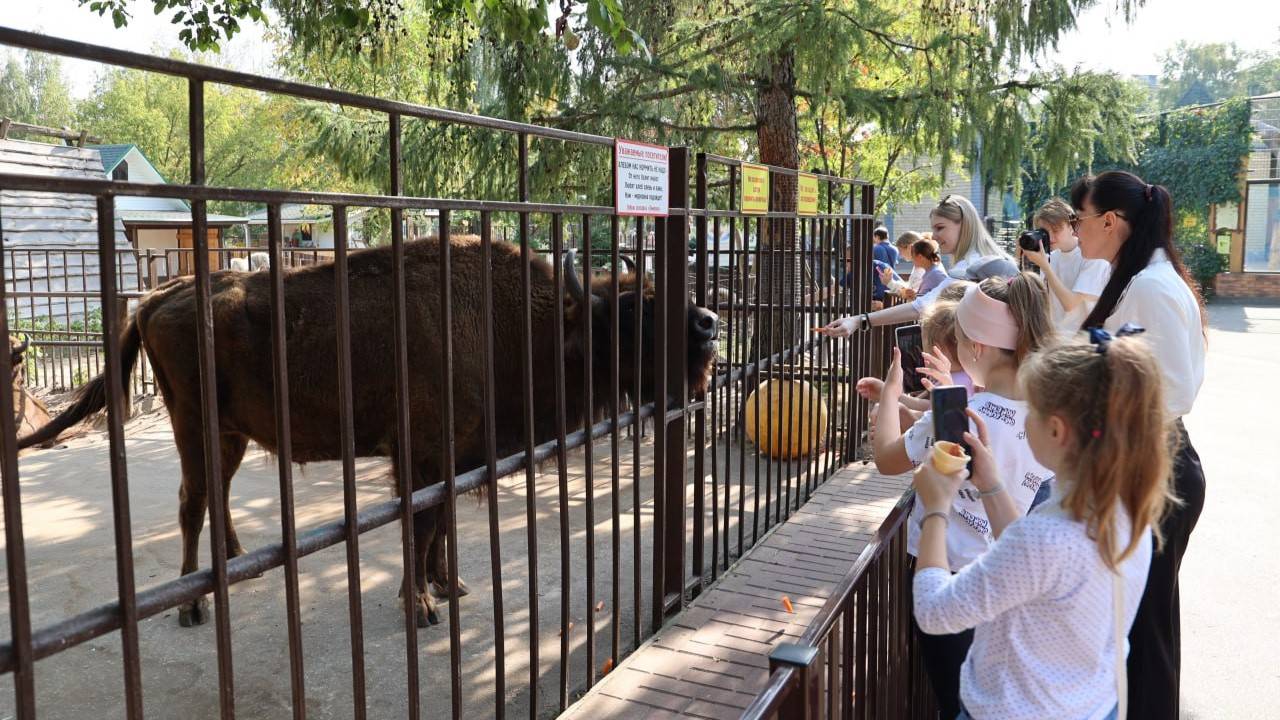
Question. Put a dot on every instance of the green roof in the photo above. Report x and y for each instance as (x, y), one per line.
(112, 155)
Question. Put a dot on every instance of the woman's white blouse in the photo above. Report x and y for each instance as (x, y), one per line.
(1160, 301)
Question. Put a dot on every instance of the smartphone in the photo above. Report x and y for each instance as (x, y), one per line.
(949, 419)
(911, 344)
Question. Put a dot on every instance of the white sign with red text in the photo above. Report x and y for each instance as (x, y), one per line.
(640, 174)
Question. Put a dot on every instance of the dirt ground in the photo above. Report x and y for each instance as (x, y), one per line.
(71, 568)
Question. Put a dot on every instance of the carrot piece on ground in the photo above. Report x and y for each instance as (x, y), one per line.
(786, 603)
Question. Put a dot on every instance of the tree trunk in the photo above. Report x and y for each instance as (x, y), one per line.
(777, 134)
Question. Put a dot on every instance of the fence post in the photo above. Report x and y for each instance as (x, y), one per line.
(805, 700)
(672, 238)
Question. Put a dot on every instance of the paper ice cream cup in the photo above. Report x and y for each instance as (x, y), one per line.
(949, 457)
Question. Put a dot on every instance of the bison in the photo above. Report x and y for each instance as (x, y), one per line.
(164, 326)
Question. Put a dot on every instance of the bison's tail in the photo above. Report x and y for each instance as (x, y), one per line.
(93, 396)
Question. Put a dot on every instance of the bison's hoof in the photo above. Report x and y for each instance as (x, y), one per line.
(441, 590)
(194, 613)
(425, 611)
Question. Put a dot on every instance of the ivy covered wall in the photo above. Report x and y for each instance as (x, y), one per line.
(1198, 154)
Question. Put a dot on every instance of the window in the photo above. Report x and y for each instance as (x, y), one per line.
(1262, 228)
(121, 172)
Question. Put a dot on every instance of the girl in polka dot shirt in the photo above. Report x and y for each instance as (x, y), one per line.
(1059, 588)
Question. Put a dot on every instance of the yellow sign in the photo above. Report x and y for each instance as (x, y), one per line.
(755, 189)
(1224, 243)
(807, 198)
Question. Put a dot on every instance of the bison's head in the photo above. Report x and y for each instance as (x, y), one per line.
(701, 327)
(17, 355)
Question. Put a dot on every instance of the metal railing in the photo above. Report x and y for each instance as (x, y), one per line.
(546, 385)
(858, 658)
(53, 300)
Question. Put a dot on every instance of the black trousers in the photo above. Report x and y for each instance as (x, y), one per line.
(942, 656)
(1155, 641)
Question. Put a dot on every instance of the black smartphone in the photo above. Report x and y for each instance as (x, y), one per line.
(911, 344)
(949, 419)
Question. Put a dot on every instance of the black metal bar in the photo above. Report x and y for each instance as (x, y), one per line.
(558, 271)
(403, 463)
(660, 393)
(447, 469)
(284, 460)
(700, 415)
(675, 388)
(191, 193)
(116, 415)
(491, 462)
(637, 350)
(758, 345)
(530, 487)
(615, 441)
(209, 402)
(21, 653)
(586, 316)
(346, 404)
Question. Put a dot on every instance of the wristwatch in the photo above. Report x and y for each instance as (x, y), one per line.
(864, 322)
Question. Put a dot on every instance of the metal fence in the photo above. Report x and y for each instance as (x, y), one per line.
(53, 299)
(859, 657)
(583, 392)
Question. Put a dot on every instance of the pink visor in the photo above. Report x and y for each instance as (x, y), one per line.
(987, 320)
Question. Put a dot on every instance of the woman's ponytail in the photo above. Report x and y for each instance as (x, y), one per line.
(1149, 211)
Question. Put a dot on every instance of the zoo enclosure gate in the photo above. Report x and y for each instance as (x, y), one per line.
(765, 337)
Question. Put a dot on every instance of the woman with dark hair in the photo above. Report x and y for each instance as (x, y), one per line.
(1128, 222)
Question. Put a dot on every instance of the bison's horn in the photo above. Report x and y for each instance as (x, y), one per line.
(26, 342)
(572, 281)
(631, 264)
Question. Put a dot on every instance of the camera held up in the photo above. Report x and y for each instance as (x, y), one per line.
(1036, 240)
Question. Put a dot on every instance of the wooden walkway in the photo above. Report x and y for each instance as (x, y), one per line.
(711, 660)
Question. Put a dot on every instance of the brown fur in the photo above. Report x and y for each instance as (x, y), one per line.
(165, 326)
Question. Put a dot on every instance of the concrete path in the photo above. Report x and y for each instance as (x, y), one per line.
(1230, 611)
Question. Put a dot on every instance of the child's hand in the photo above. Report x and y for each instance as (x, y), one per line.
(936, 490)
(869, 388)
(886, 276)
(907, 293)
(985, 475)
(937, 369)
(1036, 257)
(893, 380)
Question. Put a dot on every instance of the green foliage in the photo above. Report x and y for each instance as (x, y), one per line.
(251, 139)
(363, 26)
(33, 91)
(1197, 154)
(1200, 74)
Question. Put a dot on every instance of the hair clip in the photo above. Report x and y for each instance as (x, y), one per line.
(1096, 433)
(1101, 339)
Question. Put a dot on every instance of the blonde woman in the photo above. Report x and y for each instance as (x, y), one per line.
(959, 232)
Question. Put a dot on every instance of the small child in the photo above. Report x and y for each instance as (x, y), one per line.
(999, 323)
(1051, 602)
(1075, 282)
(926, 258)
